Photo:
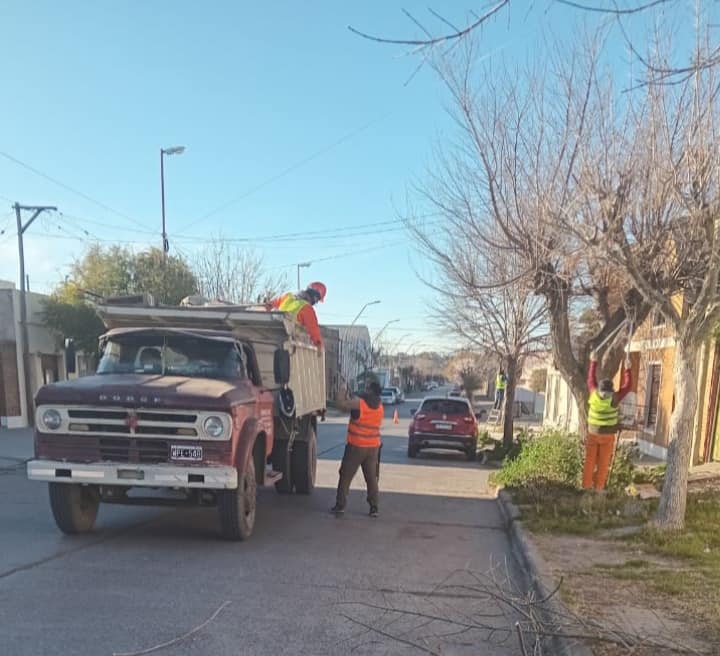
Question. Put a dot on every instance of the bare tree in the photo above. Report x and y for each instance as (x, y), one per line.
(504, 187)
(654, 181)
(484, 298)
(432, 39)
(231, 273)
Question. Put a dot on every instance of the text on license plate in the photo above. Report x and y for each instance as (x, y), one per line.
(186, 452)
(443, 426)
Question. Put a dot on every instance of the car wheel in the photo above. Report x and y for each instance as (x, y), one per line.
(412, 450)
(471, 452)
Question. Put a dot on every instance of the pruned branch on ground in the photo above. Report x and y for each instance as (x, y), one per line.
(470, 608)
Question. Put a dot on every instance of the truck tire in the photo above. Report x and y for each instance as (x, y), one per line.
(284, 485)
(412, 450)
(74, 507)
(236, 508)
(304, 462)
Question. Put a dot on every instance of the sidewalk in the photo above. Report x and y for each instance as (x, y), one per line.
(16, 446)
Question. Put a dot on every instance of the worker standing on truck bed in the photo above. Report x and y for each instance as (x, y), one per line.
(363, 446)
(603, 423)
(300, 306)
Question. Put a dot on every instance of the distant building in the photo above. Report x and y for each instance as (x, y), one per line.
(46, 359)
(331, 341)
(354, 352)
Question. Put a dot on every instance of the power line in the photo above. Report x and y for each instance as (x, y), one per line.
(105, 225)
(330, 233)
(90, 199)
(289, 169)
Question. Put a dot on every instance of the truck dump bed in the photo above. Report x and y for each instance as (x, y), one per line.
(265, 331)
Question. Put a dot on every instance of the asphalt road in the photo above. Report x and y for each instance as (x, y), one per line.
(305, 583)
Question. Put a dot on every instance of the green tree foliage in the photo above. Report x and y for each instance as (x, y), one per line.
(113, 271)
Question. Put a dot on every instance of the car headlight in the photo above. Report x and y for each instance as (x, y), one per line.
(51, 419)
(213, 426)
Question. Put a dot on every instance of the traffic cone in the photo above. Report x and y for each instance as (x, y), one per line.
(396, 417)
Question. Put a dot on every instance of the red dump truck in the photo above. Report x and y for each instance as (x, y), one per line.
(189, 405)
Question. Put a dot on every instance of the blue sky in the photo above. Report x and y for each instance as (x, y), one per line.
(93, 90)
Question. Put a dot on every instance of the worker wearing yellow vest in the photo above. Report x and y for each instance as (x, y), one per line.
(363, 446)
(500, 387)
(300, 307)
(603, 422)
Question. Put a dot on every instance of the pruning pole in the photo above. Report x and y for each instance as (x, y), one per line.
(617, 436)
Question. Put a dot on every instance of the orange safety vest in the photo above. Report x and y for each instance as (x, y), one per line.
(365, 430)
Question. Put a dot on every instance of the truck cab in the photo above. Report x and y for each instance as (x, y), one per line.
(194, 406)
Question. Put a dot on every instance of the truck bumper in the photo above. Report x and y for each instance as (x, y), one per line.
(131, 475)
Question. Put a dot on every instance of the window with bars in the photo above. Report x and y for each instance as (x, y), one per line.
(652, 395)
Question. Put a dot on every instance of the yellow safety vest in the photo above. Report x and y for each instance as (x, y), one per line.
(601, 412)
(292, 305)
(500, 382)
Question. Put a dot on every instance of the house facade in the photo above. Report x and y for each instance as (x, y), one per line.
(46, 359)
(646, 411)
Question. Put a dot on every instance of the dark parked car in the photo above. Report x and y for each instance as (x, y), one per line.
(443, 423)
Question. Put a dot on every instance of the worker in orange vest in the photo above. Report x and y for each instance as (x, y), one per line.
(300, 307)
(363, 446)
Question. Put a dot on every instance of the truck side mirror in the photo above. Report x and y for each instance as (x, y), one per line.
(281, 367)
(70, 356)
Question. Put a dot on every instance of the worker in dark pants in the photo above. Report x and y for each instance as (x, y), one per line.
(363, 446)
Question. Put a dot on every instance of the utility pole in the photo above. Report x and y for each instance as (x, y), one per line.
(25, 345)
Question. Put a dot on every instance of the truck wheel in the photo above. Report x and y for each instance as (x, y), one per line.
(471, 453)
(304, 463)
(237, 507)
(412, 450)
(74, 507)
(284, 485)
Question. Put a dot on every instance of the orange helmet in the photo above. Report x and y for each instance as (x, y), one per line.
(319, 288)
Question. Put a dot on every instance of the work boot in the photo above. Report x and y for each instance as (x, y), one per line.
(374, 511)
(337, 510)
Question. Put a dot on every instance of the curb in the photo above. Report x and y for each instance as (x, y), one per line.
(537, 572)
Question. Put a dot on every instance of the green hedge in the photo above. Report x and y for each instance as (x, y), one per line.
(552, 457)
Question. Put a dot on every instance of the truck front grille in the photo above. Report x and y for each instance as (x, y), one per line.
(121, 421)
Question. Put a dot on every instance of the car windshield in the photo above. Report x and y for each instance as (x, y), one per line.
(445, 407)
(387, 392)
(172, 355)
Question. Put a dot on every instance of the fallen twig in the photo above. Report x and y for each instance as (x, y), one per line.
(174, 641)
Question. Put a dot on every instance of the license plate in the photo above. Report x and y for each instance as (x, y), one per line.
(443, 426)
(186, 453)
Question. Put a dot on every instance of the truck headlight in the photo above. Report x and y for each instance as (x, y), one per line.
(51, 419)
(213, 426)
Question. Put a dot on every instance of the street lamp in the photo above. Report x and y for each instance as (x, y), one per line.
(377, 339)
(303, 265)
(382, 330)
(175, 150)
(363, 310)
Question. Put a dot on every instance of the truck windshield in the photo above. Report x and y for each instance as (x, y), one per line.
(172, 355)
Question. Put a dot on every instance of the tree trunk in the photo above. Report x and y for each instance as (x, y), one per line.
(671, 512)
(512, 371)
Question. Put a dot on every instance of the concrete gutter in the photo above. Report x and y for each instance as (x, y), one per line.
(538, 574)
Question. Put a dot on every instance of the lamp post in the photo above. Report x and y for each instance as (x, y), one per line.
(301, 265)
(363, 310)
(175, 150)
(377, 339)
